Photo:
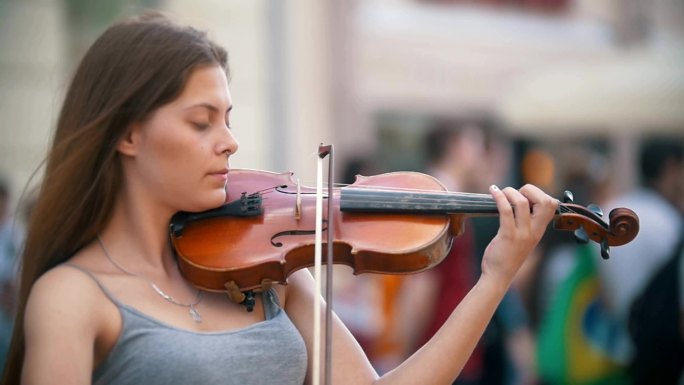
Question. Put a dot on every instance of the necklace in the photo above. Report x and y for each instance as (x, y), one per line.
(191, 306)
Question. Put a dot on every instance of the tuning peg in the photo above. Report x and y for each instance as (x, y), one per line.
(595, 209)
(581, 235)
(568, 197)
(605, 249)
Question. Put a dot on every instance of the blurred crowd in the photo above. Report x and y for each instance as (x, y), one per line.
(571, 317)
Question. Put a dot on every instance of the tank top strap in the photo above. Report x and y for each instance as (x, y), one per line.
(97, 281)
(271, 303)
(269, 298)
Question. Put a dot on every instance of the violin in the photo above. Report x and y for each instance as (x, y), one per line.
(393, 223)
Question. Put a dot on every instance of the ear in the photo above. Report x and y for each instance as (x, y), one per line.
(128, 144)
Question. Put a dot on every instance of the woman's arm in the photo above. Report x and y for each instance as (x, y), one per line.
(350, 364)
(442, 358)
(60, 329)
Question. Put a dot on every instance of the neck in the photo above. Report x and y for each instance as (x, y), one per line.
(137, 235)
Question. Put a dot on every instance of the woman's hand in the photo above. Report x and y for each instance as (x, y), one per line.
(523, 218)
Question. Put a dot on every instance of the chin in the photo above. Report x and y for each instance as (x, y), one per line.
(217, 199)
(208, 202)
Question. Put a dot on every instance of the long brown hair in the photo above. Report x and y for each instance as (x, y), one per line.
(133, 68)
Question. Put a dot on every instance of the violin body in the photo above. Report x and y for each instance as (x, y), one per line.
(249, 250)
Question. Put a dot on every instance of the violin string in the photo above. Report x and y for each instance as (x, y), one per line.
(452, 199)
(462, 196)
(562, 209)
(473, 200)
(432, 197)
(480, 200)
(436, 194)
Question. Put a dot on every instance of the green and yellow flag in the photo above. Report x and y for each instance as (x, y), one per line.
(576, 331)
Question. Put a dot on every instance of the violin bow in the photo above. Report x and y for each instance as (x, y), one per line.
(323, 151)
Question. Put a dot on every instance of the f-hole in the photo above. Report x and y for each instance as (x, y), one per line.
(294, 233)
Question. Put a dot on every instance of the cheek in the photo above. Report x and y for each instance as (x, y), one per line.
(165, 154)
(168, 141)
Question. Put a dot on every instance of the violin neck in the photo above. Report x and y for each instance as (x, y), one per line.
(354, 199)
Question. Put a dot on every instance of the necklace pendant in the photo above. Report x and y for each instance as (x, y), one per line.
(195, 314)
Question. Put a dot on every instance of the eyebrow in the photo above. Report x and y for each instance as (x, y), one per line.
(208, 106)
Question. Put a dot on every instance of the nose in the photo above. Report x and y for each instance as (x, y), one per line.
(228, 145)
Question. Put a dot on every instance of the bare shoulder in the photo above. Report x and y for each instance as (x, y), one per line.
(61, 324)
(66, 290)
(63, 283)
(65, 293)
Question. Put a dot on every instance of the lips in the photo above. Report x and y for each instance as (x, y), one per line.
(220, 174)
(223, 171)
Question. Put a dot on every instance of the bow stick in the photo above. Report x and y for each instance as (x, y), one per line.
(323, 151)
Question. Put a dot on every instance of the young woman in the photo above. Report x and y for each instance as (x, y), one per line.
(145, 132)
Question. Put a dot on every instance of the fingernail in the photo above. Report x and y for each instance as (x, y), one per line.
(494, 187)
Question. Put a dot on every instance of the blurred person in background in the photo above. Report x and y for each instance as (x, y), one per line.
(658, 204)
(644, 282)
(144, 132)
(508, 343)
(11, 237)
(454, 149)
(656, 325)
(575, 330)
(467, 155)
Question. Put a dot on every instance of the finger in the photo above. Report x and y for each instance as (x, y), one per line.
(540, 202)
(506, 219)
(542, 205)
(521, 207)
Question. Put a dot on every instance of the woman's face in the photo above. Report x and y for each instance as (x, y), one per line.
(179, 154)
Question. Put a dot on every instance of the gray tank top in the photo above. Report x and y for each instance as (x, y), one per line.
(151, 352)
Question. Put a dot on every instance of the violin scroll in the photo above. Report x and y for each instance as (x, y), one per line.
(587, 224)
(624, 224)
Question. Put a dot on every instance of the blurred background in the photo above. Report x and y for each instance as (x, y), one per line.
(566, 94)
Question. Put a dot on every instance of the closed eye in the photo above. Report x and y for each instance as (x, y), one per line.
(201, 126)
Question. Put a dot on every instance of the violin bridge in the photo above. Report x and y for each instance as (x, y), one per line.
(298, 202)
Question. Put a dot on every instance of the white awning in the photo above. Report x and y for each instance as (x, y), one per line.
(637, 91)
